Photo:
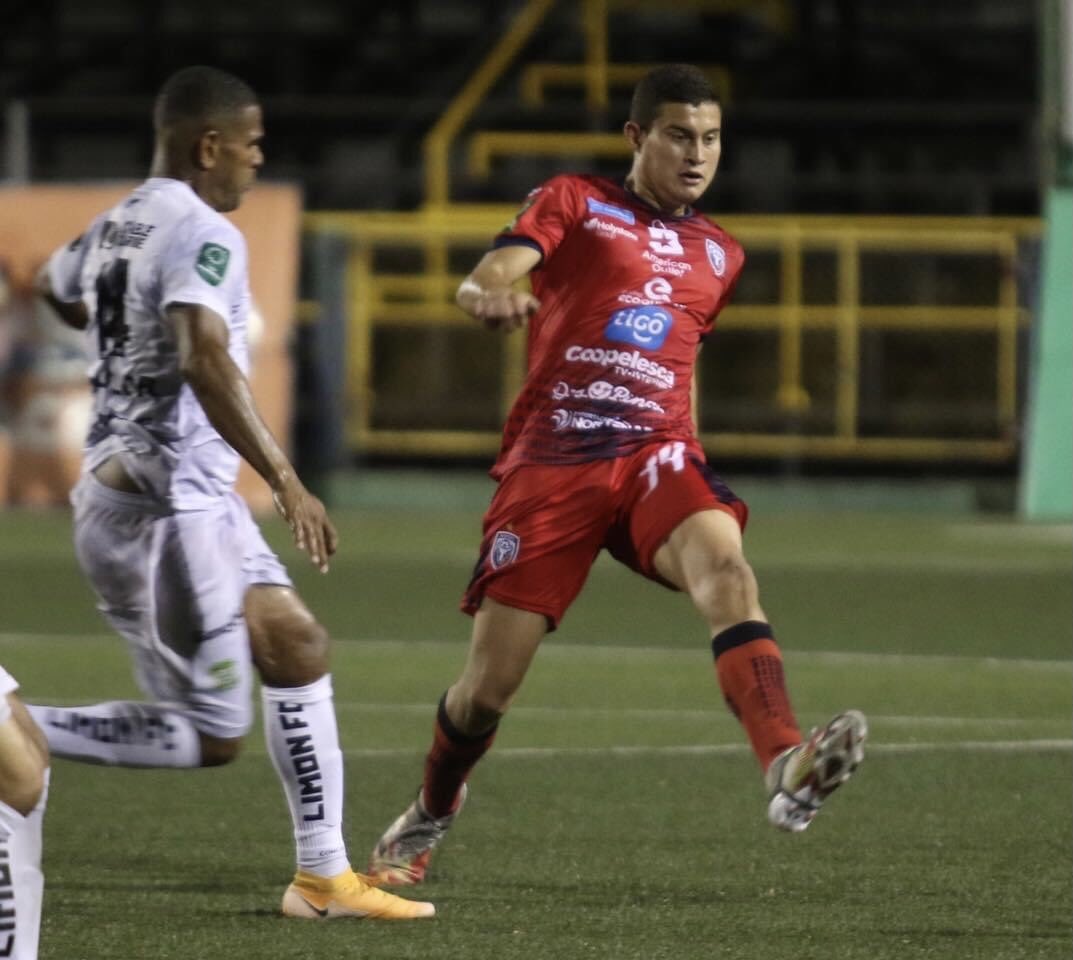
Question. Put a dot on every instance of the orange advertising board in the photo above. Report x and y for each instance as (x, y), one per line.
(34, 220)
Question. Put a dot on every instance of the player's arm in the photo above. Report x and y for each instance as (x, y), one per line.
(73, 314)
(488, 293)
(224, 394)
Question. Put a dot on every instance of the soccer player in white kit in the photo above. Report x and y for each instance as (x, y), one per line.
(23, 794)
(180, 569)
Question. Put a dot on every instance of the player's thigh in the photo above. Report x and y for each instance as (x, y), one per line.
(667, 488)
(113, 539)
(198, 650)
(289, 646)
(542, 533)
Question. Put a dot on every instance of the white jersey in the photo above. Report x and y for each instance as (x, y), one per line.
(161, 245)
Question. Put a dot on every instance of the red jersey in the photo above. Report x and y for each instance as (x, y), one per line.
(626, 295)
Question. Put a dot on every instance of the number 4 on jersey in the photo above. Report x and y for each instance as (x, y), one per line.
(110, 314)
(670, 454)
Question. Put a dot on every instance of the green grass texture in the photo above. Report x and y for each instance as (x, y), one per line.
(620, 814)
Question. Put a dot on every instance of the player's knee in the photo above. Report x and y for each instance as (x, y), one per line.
(23, 793)
(292, 653)
(216, 751)
(726, 588)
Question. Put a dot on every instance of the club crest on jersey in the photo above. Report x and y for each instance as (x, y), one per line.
(610, 210)
(717, 257)
(212, 260)
(644, 327)
(505, 547)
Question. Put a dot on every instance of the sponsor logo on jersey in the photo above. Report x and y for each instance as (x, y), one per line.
(601, 390)
(609, 230)
(586, 420)
(657, 290)
(676, 268)
(664, 240)
(717, 257)
(212, 260)
(626, 363)
(610, 210)
(129, 233)
(644, 327)
(505, 548)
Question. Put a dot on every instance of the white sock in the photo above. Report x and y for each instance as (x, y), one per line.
(122, 733)
(21, 881)
(303, 742)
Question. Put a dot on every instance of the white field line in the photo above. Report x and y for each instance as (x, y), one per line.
(716, 714)
(552, 649)
(722, 749)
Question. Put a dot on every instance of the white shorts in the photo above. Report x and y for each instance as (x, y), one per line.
(172, 585)
(8, 684)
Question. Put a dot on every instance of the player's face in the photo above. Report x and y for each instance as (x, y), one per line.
(237, 160)
(676, 158)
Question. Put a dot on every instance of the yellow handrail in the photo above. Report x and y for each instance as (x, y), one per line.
(537, 77)
(438, 141)
(419, 299)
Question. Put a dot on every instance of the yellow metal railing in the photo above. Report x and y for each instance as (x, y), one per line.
(597, 74)
(423, 298)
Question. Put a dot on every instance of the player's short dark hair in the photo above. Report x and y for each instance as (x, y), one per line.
(674, 83)
(200, 93)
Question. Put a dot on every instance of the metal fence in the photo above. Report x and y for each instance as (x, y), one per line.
(849, 337)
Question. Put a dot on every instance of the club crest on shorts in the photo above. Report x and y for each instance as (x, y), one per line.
(717, 257)
(505, 546)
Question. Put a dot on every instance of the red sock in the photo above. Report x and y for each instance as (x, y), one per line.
(749, 667)
(448, 763)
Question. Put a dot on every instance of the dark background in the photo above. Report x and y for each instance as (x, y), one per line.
(856, 106)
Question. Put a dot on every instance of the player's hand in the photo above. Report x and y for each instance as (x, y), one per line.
(505, 309)
(305, 515)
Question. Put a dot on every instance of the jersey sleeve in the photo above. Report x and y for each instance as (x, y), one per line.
(736, 264)
(547, 215)
(205, 266)
(65, 266)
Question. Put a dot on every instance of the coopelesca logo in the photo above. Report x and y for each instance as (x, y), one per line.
(505, 547)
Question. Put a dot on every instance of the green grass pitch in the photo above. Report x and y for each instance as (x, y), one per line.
(620, 815)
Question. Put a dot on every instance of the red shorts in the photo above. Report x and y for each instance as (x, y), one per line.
(546, 524)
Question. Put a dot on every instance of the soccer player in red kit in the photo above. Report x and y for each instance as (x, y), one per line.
(600, 451)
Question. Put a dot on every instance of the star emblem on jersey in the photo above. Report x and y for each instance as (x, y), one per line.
(212, 260)
(717, 257)
(505, 546)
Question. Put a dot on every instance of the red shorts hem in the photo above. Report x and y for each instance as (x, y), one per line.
(471, 603)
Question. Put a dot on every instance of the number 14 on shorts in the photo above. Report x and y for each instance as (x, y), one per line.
(670, 454)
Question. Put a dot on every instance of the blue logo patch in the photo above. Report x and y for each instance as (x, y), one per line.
(644, 327)
(608, 210)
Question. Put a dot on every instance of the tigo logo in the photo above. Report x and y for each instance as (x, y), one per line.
(645, 327)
